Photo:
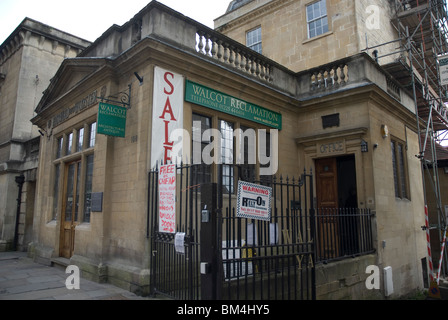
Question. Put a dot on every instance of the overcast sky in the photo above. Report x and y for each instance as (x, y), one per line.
(88, 19)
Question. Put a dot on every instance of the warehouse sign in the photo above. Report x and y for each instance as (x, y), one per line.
(112, 120)
(206, 97)
(443, 65)
(253, 201)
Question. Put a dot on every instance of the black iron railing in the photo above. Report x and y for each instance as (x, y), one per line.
(343, 233)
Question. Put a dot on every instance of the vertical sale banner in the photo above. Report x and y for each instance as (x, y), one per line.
(167, 199)
(167, 115)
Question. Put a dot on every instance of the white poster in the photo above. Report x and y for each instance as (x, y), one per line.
(167, 116)
(443, 65)
(253, 201)
(179, 242)
(167, 199)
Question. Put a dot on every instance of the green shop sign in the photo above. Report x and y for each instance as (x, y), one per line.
(206, 97)
(112, 120)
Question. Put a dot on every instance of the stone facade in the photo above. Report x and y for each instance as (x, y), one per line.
(352, 28)
(111, 244)
(29, 57)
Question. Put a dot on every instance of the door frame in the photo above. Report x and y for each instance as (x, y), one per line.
(71, 224)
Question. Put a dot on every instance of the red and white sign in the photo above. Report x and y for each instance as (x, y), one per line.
(167, 115)
(167, 198)
(254, 201)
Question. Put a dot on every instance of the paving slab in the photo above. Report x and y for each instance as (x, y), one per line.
(23, 279)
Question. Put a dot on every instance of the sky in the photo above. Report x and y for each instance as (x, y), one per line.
(89, 19)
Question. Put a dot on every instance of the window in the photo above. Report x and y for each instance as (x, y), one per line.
(202, 172)
(316, 17)
(399, 169)
(92, 135)
(226, 129)
(253, 40)
(59, 147)
(238, 157)
(57, 173)
(68, 147)
(73, 177)
(247, 146)
(80, 140)
(88, 188)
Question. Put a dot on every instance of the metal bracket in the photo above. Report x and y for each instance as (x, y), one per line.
(124, 98)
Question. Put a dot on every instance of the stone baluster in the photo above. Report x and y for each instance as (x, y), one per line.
(262, 70)
(207, 45)
(237, 58)
(220, 50)
(226, 52)
(314, 81)
(343, 75)
(200, 43)
(214, 49)
(243, 61)
(329, 79)
(335, 75)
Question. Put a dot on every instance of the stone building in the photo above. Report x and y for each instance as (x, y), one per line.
(109, 116)
(29, 57)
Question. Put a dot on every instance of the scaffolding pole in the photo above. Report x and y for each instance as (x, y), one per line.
(422, 32)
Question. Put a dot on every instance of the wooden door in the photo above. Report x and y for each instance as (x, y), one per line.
(70, 209)
(327, 204)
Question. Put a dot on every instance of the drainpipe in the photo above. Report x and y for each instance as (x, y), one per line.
(20, 180)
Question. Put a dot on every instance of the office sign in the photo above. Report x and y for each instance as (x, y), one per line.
(253, 201)
(206, 97)
(112, 120)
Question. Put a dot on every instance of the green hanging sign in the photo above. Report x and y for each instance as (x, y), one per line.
(112, 120)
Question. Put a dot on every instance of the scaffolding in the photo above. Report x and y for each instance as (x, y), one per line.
(422, 39)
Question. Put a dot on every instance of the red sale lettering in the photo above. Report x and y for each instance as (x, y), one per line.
(169, 83)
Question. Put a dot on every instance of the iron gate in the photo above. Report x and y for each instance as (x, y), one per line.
(252, 259)
(176, 275)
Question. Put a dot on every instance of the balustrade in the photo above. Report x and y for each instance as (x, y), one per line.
(330, 76)
(234, 54)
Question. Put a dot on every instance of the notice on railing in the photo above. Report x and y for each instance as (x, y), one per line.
(167, 199)
(254, 201)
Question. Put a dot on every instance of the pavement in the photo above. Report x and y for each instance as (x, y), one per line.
(23, 279)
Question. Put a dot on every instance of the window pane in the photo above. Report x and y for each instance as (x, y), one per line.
(69, 145)
(227, 149)
(248, 143)
(70, 193)
(92, 130)
(80, 139)
(402, 172)
(56, 190)
(201, 172)
(309, 12)
(59, 147)
(88, 188)
(394, 167)
(78, 182)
